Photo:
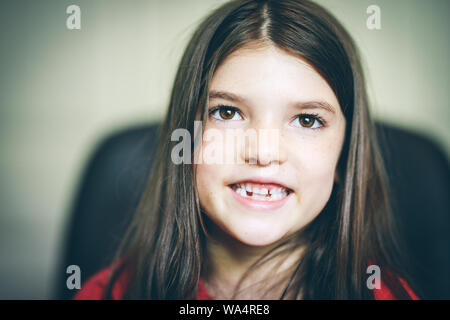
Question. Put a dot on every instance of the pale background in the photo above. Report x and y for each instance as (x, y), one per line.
(62, 91)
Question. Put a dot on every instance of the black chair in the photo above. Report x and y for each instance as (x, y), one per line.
(116, 174)
(108, 194)
(419, 176)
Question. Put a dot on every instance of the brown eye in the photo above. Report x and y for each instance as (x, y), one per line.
(226, 113)
(306, 121)
(309, 121)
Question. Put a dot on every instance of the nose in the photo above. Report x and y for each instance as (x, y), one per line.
(266, 150)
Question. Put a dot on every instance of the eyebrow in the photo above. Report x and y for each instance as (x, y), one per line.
(302, 105)
(226, 96)
(317, 105)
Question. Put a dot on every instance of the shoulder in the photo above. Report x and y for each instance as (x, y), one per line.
(393, 287)
(94, 287)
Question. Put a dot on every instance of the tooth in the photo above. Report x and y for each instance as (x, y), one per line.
(260, 193)
(259, 197)
(274, 192)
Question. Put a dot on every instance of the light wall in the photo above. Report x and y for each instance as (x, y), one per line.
(407, 61)
(62, 91)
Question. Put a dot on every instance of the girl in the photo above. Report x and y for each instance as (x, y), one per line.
(303, 216)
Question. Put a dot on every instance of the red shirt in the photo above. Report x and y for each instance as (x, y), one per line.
(92, 289)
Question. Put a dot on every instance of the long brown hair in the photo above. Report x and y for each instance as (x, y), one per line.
(164, 246)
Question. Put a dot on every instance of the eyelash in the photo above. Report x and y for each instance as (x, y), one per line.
(315, 116)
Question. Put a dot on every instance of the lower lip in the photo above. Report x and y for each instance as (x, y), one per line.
(260, 204)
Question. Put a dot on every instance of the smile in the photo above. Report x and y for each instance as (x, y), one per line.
(260, 196)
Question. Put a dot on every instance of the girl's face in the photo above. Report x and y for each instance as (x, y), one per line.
(285, 184)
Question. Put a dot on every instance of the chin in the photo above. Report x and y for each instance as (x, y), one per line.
(258, 237)
(259, 242)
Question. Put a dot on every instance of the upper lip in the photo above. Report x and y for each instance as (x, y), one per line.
(263, 180)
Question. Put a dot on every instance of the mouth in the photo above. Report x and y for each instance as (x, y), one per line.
(258, 191)
(261, 196)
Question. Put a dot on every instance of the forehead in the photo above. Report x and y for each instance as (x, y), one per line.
(271, 74)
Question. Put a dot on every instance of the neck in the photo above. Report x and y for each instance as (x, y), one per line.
(228, 260)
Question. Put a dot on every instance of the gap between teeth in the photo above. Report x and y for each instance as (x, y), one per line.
(262, 193)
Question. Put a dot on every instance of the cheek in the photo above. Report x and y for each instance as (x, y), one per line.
(211, 188)
(210, 172)
(316, 158)
(203, 182)
(315, 166)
